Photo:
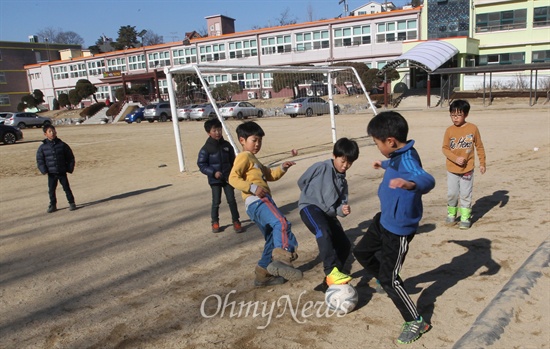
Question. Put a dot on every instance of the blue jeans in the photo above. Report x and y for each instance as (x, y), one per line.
(274, 227)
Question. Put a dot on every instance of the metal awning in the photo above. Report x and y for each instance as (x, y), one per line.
(428, 56)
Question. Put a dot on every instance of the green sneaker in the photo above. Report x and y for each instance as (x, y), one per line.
(412, 330)
(336, 277)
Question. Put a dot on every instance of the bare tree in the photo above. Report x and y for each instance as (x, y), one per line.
(309, 11)
(152, 38)
(284, 18)
(59, 36)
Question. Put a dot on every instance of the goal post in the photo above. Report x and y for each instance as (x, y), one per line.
(211, 83)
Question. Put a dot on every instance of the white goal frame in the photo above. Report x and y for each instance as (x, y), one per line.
(200, 69)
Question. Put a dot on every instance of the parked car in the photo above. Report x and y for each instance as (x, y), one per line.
(240, 110)
(10, 134)
(24, 119)
(135, 116)
(308, 106)
(183, 112)
(203, 111)
(3, 116)
(159, 111)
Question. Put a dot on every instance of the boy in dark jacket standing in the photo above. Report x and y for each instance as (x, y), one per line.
(55, 158)
(215, 161)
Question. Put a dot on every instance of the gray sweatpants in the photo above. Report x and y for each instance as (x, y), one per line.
(459, 186)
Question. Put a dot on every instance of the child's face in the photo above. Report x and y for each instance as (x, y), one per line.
(458, 118)
(386, 147)
(252, 144)
(50, 134)
(341, 164)
(216, 133)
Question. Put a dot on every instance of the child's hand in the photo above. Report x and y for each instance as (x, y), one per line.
(218, 175)
(377, 164)
(401, 183)
(288, 164)
(461, 161)
(346, 209)
(260, 192)
(482, 169)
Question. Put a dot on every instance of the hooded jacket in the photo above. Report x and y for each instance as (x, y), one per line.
(55, 156)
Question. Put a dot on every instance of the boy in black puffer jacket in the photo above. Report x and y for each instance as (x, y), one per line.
(216, 160)
(55, 158)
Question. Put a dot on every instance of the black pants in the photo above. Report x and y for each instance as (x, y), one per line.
(334, 245)
(53, 178)
(217, 199)
(382, 254)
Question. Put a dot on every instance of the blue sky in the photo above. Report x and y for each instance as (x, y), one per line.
(168, 18)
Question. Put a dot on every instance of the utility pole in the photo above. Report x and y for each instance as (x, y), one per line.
(345, 2)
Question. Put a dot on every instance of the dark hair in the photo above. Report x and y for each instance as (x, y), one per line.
(388, 124)
(460, 105)
(249, 128)
(47, 127)
(346, 148)
(212, 123)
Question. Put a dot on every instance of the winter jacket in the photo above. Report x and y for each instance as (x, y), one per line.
(321, 185)
(402, 209)
(55, 156)
(216, 156)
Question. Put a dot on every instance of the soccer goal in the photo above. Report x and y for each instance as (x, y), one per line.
(235, 94)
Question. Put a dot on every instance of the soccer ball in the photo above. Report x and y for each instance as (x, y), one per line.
(342, 298)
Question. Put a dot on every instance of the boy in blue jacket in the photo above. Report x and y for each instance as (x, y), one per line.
(324, 197)
(55, 158)
(383, 248)
(215, 160)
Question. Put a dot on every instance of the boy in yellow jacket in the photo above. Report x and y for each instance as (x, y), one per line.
(250, 176)
(460, 143)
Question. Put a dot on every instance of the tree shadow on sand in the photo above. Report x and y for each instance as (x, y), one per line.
(125, 195)
(487, 203)
(444, 277)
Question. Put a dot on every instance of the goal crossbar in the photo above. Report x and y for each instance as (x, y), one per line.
(201, 69)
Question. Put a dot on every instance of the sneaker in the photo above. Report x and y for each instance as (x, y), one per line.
(237, 227)
(412, 330)
(451, 220)
(464, 225)
(52, 208)
(72, 207)
(336, 277)
(215, 227)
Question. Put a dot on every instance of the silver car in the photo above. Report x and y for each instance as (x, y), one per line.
(183, 112)
(203, 111)
(23, 120)
(308, 106)
(240, 110)
(160, 112)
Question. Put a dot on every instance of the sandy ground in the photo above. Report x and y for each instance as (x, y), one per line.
(136, 266)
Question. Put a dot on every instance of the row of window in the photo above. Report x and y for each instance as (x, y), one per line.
(512, 19)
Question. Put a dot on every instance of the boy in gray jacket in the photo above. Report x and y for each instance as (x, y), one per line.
(323, 197)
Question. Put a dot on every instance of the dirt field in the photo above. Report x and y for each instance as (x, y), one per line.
(136, 266)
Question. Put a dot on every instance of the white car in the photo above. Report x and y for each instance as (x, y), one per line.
(240, 110)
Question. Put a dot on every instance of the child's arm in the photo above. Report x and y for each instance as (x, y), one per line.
(70, 158)
(41, 161)
(480, 149)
